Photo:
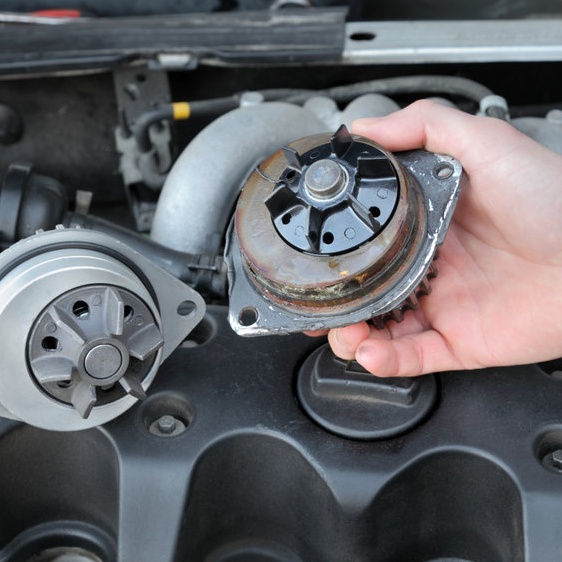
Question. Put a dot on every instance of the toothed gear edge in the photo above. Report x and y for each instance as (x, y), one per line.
(411, 303)
(38, 272)
(279, 285)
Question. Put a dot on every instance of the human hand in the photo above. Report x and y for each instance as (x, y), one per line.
(498, 297)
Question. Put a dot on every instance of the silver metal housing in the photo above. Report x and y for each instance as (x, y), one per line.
(37, 272)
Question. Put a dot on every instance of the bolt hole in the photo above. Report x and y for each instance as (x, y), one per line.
(186, 308)
(248, 316)
(375, 211)
(548, 451)
(141, 78)
(328, 238)
(50, 343)
(169, 405)
(80, 309)
(128, 313)
(362, 36)
(64, 384)
(314, 154)
(443, 171)
(286, 218)
(290, 174)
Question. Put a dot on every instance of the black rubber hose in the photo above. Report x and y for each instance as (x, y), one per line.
(427, 84)
(214, 106)
(206, 274)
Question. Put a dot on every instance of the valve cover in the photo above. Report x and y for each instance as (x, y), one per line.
(333, 229)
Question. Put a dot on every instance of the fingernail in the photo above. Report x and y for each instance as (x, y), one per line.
(364, 124)
(363, 354)
(366, 357)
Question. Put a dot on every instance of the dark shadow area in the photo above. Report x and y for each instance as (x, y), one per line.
(57, 491)
(448, 505)
(254, 497)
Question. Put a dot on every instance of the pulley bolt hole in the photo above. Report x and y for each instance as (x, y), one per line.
(186, 308)
(64, 384)
(50, 343)
(248, 316)
(375, 211)
(443, 171)
(128, 313)
(328, 238)
(286, 219)
(80, 309)
(290, 174)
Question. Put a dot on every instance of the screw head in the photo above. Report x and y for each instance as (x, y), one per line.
(556, 459)
(325, 180)
(167, 426)
(553, 461)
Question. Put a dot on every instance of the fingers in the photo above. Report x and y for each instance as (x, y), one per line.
(404, 349)
(344, 341)
(409, 356)
(437, 128)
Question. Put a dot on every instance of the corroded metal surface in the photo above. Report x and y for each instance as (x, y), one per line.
(276, 287)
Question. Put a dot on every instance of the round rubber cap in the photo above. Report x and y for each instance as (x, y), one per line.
(343, 398)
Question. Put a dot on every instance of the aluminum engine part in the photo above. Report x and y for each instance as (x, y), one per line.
(205, 181)
(86, 323)
(367, 105)
(332, 230)
(547, 130)
(203, 185)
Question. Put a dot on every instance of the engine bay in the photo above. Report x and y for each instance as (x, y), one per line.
(173, 182)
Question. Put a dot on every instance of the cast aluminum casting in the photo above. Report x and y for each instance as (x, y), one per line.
(204, 182)
(86, 323)
(334, 229)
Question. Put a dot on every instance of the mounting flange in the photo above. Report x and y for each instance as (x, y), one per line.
(334, 229)
(85, 322)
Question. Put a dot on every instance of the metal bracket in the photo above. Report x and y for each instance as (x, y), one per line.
(410, 42)
(139, 90)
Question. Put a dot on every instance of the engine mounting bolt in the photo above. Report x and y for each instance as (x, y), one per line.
(325, 180)
(167, 426)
